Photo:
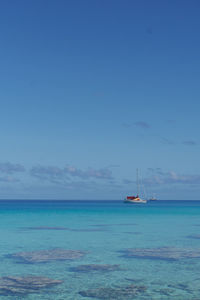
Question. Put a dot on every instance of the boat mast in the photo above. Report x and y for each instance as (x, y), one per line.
(137, 178)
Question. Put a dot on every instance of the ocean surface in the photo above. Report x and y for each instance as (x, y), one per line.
(163, 263)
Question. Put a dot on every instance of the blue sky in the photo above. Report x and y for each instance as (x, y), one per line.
(91, 90)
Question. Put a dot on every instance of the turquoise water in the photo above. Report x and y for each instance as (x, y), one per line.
(102, 229)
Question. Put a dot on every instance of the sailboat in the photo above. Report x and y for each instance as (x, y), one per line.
(135, 199)
(153, 198)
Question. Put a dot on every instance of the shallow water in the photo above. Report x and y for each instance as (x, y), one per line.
(103, 229)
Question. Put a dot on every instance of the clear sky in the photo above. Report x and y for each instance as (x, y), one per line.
(91, 90)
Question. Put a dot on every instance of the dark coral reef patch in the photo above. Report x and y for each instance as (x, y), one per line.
(10, 286)
(95, 268)
(115, 293)
(163, 253)
(44, 256)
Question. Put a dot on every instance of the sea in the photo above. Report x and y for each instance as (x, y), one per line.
(128, 251)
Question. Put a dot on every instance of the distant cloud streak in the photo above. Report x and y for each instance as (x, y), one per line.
(165, 140)
(142, 124)
(189, 143)
(8, 179)
(59, 175)
(159, 177)
(49, 173)
(104, 173)
(10, 168)
(127, 181)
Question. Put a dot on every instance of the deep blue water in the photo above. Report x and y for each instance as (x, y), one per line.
(104, 231)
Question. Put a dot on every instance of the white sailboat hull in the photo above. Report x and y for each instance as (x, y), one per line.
(135, 201)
